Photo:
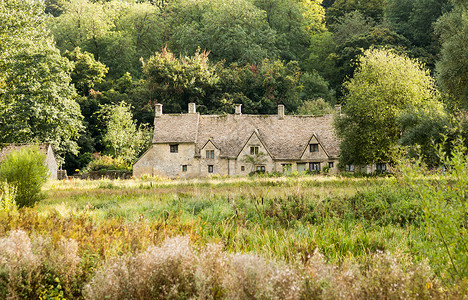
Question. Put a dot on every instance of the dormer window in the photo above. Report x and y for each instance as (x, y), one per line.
(253, 150)
(209, 153)
(314, 148)
(174, 148)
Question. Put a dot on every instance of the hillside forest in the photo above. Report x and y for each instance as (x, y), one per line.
(75, 72)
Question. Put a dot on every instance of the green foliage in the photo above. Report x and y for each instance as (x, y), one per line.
(260, 88)
(7, 198)
(175, 82)
(315, 107)
(422, 129)
(122, 135)
(105, 163)
(25, 170)
(452, 68)
(86, 72)
(384, 86)
(37, 103)
(370, 9)
(445, 209)
(234, 30)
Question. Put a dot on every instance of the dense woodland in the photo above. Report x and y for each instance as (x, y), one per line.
(77, 72)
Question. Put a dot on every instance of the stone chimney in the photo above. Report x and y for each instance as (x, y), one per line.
(158, 110)
(338, 109)
(192, 108)
(238, 109)
(281, 111)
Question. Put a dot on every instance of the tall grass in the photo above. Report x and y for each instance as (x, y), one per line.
(236, 238)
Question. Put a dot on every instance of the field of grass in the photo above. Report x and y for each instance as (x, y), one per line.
(296, 237)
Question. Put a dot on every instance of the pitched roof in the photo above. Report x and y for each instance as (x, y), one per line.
(14, 147)
(175, 128)
(284, 138)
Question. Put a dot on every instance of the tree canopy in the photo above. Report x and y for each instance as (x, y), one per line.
(384, 86)
(36, 98)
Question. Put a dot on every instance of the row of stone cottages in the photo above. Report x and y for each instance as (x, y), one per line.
(194, 145)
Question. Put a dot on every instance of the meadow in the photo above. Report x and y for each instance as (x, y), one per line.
(286, 237)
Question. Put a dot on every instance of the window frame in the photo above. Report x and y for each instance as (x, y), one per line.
(174, 148)
(314, 167)
(260, 168)
(331, 164)
(314, 147)
(210, 154)
(254, 150)
(210, 168)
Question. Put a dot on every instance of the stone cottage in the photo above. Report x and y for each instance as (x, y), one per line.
(45, 148)
(193, 145)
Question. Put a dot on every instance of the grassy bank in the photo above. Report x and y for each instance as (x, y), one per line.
(367, 228)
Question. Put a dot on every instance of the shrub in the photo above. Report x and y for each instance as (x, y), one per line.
(105, 163)
(7, 197)
(27, 172)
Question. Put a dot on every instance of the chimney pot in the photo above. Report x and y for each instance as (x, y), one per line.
(192, 108)
(158, 110)
(238, 109)
(281, 111)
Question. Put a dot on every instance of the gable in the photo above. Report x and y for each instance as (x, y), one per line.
(256, 142)
(321, 152)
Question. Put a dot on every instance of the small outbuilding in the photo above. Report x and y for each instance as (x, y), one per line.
(51, 162)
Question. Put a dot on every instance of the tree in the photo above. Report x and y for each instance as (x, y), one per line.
(452, 68)
(36, 99)
(233, 31)
(26, 171)
(383, 86)
(122, 135)
(175, 82)
(86, 72)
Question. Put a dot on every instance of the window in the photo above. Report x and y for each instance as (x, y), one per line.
(184, 168)
(209, 153)
(381, 167)
(349, 168)
(330, 164)
(314, 166)
(314, 148)
(174, 148)
(260, 169)
(287, 168)
(253, 150)
(210, 168)
(242, 168)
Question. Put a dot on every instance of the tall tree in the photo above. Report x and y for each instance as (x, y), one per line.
(36, 99)
(383, 86)
(233, 31)
(452, 68)
(175, 82)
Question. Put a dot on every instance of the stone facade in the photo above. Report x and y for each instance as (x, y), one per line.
(51, 162)
(193, 145)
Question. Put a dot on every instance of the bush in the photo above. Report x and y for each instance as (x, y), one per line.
(26, 171)
(106, 163)
(7, 198)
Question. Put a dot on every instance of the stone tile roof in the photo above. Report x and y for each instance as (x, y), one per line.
(175, 128)
(13, 147)
(284, 138)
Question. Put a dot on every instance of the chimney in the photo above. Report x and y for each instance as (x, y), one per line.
(281, 111)
(238, 109)
(338, 109)
(158, 110)
(192, 108)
